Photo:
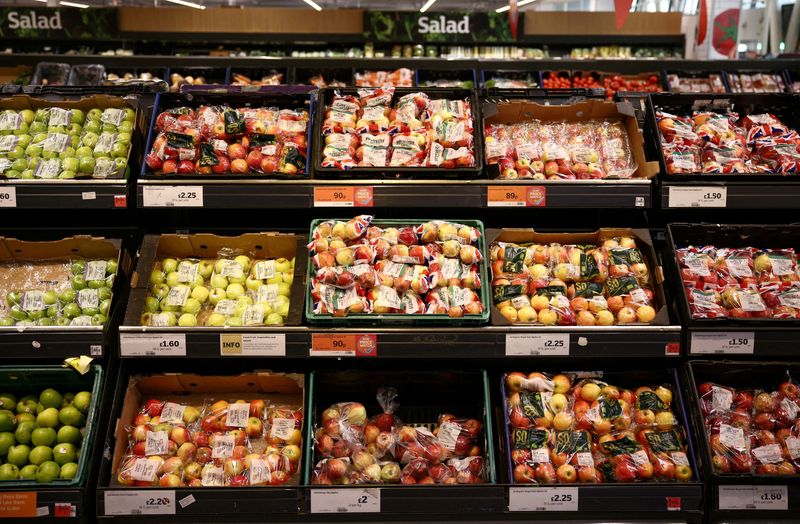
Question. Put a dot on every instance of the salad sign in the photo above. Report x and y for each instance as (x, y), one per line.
(385, 26)
(54, 22)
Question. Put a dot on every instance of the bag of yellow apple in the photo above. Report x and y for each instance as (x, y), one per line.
(667, 453)
(335, 234)
(653, 408)
(601, 408)
(625, 259)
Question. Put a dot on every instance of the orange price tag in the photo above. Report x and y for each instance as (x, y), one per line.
(343, 345)
(516, 196)
(343, 196)
(17, 504)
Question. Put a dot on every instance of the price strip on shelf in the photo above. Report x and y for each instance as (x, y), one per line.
(734, 342)
(343, 345)
(516, 196)
(172, 196)
(704, 196)
(19, 504)
(243, 345)
(543, 499)
(344, 196)
(152, 345)
(527, 344)
(760, 498)
(8, 197)
(145, 502)
(367, 500)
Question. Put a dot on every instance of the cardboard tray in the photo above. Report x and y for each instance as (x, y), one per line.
(207, 245)
(520, 111)
(759, 236)
(183, 388)
(326, 95)
(630, 380)
(398, 319)
(67, 100)
(643, 242)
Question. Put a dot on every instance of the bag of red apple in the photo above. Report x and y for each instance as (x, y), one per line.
(337, 230)
(374, 150)
(768, 455)
(445, 109)
(681, 160)
(459, 436)
(406, 115)
(623, 458)
(697, 265)
(341, 116)
(291, 122)
(732, 265)
(664, 447)
(498, 146)
(571, 455)
(625, 261)
(776, 266)
(260, 120)
(332, 300)
(453, 134)
(678, 130)
(282, 424)
(150, 471)
(272, 469)
(730, 444)
(743, 303)
(336, 471)
(346, 277)
(381, 96)
(531, 456)
(171, 119)
(615, 151)
(219, 122)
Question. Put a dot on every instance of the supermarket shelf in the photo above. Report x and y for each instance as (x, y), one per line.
(41, 194)
(53, 504)
(53, 343)
(240, 194)
(778, 342)
(400, 343)
(769, 194)
(601, 194)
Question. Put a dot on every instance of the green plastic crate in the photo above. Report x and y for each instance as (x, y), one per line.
(28, 380)
(415, 319)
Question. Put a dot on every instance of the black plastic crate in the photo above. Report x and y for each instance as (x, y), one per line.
(51, 73)
(241, 75)
(324, 99)
(785, 107)
(86, 74)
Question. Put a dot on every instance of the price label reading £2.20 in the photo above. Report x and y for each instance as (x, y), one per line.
(543, 499)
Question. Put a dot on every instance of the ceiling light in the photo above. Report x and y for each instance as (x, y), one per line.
(427, 6)
(73, 4)
(313, 4)
(519, 4)
(187, 4)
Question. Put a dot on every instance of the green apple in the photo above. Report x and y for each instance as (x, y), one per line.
(69, 434)
(234, 321)
(234, 291)
(273, 319)
(105, 305)
(48, 472)
(77, 267)
(77, 116)
(205, 268)
(36, 315)
(99, 319)
(282, 299)
(27, 404)
(200, 293)
(23, 433)
(68, 471)
(16, 153)
(90, 139)
(216, 295)
(93, 129)
(43, 436)
(275, 280)
(75, 129)
(282, 265)
(82, 401)
(20, 164)
(283, 309)
(130, 114)
(13, 298)
(187, 320)
(29, 472)
(96, 284)
(70, 164)
(6, 442)
(40, 455)
(151, 304)
(266, 307)
(70, 416)
(36, 128)
(191, 306)
(160, 291)
(126, 126)
(65, 452)
(68, 295)
(252, 284)
(71, 310)
(216, 320)
(27, 175)
(124, 139)
(18, 455)
(157, 277)
(218, 281)
(120, 164)
(25, 417)
(104, 293)
(47, 418)
(18, 314)
(27, 116)
(173, 279)
(8, 401)
(168, 265)
(66, 399)
(284, 289)
(53, 311)
(12, 173)
(288, 278)
(119, 150)
(9, 472)
(64, 175)
(78, 282)
(95, 114)
(69, 152)
(7, 420)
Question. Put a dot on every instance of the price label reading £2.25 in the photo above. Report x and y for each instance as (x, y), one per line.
(526, 344)
(543, 499)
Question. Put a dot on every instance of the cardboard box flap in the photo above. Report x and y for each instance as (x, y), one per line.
(207, 245)
(531, 236)
(248, 383)
(12, 249)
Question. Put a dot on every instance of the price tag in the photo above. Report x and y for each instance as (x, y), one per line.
(145, 502)
(8, 197)
(156, 443)
(152, 345)
(282, 428)
(760, 498)
(526, 344)
(172, 413)
(344, 196)
(238, 344)
(223, 446)
(705, 196)
(516, 196)
(734, 342)
(238, 414)
(172, 196)
(773, 498)
(367, 500)
(543, 499)
(344, 345)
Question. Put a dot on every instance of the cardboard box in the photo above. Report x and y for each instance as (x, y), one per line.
(207, 245)
(36, 264)
(643, 242)
(521, 111)
(277, 388)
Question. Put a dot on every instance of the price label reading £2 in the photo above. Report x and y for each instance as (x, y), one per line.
(543, 499)
(366, 500)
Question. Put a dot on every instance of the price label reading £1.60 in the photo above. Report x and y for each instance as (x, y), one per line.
(152, 345)
(543, 499)
(367, 500)
(526, 344)
(706, 196)
(8, 197)
(759, 498)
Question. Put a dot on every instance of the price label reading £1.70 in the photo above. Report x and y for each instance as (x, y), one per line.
(706, 196)
(367, 500)
(543, 499)
(527, 344)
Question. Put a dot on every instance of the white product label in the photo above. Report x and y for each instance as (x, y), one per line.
(88, 298)
(259, 472)
(679, 458)
(33, 301)
(640, 457)
(540, 455)
(172, 196)
(638, 296)
(282, 428)
(736, 342)
(496, 150)
(47, 168)
(267, 293)
(145, 469)
(520, 301)
(59, 117)
(8, 143)
(366, 500)
(543, 499)
(264, 269)
(793, 447)
(10, 120)
(56, 142)
(104, 168)
(769, 454)
(8, 197)
(781, 266)
(710, 196)
(238, 415)
(231, 268)
(223, 446)
(773, 498)
(152, 344)
(112, 116)
(585, 459)
(178, 295)
(462, 297)
(526, 152)
(187, 501)
(172, 413)
(751, 301)
(732, 437)
(269, 150)
(790, 298)
(225, 307)
(374, 113)
(212, 476)
(83, 320)
(187, 271)
(537, 344)
(144, 502)
(697, 265)
(95, 270)
(393, 269)
(448, 434)
(388, 297)
(105, 142)
(790, 407)
(721, 398)
(253, 316)
(156, 443)
(185, 153)
(374, 157)
(739, 267)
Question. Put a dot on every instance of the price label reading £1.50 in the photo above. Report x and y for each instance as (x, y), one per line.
(543, 499)
(734, 342)
(706, 196)
(526, 344)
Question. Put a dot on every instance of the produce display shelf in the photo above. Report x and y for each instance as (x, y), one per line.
(50, 504)
(769, 194)
(742, 342)
(77, 194)
(402, 343)
(53, 342)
